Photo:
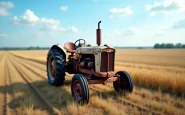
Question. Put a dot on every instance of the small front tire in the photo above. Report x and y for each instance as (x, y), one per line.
(126, 82)
(80, 89)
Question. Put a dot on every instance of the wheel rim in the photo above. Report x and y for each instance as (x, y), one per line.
(123, 85)
(52, 68)
(77, 90)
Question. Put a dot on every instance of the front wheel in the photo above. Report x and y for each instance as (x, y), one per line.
(125, 83)
(80, 89)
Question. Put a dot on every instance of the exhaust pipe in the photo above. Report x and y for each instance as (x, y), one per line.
(98, 34)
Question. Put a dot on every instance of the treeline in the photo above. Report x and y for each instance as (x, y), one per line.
(169, 45)
(25, 48)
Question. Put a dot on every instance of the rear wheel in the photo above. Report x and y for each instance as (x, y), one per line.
(80, 89)
(56, 67)
(125, 83)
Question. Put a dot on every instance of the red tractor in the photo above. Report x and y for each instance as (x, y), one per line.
(89, 64)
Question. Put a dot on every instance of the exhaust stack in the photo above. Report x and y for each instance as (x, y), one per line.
(98, 34)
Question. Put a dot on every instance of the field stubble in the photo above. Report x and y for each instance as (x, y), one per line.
(156, 101)
(162, 70)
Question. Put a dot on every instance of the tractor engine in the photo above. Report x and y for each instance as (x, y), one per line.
(87, 61)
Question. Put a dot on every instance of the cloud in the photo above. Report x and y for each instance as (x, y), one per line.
(29, 18)
(112, 34)
(132, 31)
(3, 35)
(4, 6)
(63, 8)
(159, 34)
(57, 28)
(120, 12)
(166, 7)
(179, 24)
(49, 21)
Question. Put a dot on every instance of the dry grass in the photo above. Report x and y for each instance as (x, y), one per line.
(154, 69)
(24, 101)
(162, 57)
(108, 105)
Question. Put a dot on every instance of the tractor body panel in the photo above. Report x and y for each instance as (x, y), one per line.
(104, 57)
(60, 48)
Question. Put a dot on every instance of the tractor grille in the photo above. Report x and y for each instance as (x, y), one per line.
(107, 61)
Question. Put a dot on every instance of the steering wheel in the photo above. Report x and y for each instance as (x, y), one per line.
(80, 44)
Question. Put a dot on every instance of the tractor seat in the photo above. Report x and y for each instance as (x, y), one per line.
(70, 47)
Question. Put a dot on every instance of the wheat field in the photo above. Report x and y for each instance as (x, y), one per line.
(158, 75)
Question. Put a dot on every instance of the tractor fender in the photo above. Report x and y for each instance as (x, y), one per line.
(60, 48)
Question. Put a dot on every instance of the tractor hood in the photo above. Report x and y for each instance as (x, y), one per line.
(93, 49)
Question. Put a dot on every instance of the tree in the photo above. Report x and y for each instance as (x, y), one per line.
(178, 45)
(163, 45)
(183, 46)
(169, 45)
(157, 45)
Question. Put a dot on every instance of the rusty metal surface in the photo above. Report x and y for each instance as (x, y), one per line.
(107, 61)
(98, 34)
(101, 74)
(70, 47)
(103, 81)
(77, 90)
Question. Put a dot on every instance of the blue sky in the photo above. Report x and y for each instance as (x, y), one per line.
(124, 22)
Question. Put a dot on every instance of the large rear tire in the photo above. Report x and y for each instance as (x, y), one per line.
(80, 89)
(126, 82)
(56, 67)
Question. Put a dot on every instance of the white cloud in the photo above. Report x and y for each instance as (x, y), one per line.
(166, 7)
(159, 34)
(72, 29)
(57, 28)
(4, 6)
(49, 21)
(120, 12)
(3, 35)
(29, 18)
(49, 27)
(63, 8)
(112, 34)
(132, 31)
(180, 23)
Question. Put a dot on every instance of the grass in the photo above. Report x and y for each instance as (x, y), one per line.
(149, 69)
(162, 57)
(155, 69)
(24, 101)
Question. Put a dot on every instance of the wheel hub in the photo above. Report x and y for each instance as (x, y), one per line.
(53, 68)
(77, 90)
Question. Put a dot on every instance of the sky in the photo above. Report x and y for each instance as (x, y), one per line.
(125, 23)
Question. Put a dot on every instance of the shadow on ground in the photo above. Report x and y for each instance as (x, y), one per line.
(59, 97)
(25, 98)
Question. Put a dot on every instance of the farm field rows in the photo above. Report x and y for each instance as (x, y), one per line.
(25, 88)
(159, 73)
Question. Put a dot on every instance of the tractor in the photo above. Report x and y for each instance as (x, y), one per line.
(89, 64)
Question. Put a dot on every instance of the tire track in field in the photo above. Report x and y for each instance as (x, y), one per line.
(43, 102)
(9, 95)
(5, 108)
(30, 62)
(129, 103)
(1, 56)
